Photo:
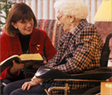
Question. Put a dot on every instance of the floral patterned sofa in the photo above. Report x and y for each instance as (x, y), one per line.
(52, 28)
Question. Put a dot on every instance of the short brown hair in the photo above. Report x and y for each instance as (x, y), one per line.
(19, 11)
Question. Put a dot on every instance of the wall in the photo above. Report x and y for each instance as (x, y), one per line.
(43, 9)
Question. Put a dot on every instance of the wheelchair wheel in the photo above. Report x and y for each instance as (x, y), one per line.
(92, 91)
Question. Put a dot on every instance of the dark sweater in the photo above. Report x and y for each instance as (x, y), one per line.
(24, 39)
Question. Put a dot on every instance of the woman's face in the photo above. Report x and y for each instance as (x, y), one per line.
(64, 21)
(25, 27)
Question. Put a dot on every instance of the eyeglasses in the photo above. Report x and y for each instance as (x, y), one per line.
(59, 17)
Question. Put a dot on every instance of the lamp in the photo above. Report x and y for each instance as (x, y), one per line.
(104, 12)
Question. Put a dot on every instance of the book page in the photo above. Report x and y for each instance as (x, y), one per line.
(35, 57)
(10, 58)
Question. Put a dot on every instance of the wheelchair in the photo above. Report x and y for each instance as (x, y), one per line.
(98, 75)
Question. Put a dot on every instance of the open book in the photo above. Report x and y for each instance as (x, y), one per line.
(24, 58)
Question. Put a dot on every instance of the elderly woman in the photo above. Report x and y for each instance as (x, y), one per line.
(79, 48)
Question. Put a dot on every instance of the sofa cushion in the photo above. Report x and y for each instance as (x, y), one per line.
(52, 28)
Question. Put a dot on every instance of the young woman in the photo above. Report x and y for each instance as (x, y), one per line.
(21, 36)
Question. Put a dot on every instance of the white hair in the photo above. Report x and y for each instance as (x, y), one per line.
(76, 8)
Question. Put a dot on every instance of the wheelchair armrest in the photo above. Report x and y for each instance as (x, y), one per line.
(102, 73)
(49, 73)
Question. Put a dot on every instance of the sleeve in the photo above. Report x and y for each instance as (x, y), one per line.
(85, 56)
(50, 51)
(5, 74)
(4, 54)
(78, 62)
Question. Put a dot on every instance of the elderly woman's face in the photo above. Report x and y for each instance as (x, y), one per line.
(64, 21)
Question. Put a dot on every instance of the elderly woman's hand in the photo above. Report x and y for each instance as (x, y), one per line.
(34, 81)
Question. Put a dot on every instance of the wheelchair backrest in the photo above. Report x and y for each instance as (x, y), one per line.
(105, 52)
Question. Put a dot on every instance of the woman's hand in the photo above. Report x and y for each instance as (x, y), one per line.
(34, 81)
(28, 85)
(16, 67)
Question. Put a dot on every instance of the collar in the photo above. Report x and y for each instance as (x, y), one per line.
(76, 31)
(35, 36)
(79, 27)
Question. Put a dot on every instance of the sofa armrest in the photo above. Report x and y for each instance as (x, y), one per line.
(104, 29)
(53, 30)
